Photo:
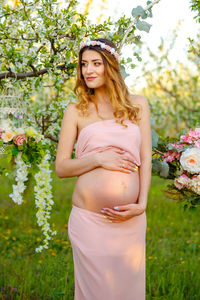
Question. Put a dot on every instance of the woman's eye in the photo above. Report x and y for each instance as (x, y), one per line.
(82, 64)
(97, 64)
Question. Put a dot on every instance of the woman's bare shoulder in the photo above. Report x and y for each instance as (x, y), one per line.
(138, 99)
(71, 107)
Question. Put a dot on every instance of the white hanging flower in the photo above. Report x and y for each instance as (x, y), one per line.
(43, 199)
(21, 177)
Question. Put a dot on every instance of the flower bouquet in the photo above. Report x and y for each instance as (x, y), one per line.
(180, 161)
(29, 150)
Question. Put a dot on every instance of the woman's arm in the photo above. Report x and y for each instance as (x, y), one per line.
(145, 151)
(65, 166)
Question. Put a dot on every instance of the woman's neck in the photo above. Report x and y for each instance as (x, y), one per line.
(101, 96)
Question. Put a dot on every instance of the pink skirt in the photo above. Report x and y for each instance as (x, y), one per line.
(109, 258)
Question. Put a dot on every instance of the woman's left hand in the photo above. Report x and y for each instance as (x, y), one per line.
(123, 213)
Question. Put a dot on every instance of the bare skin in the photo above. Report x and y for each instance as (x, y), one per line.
(106, 187)
(102, 182)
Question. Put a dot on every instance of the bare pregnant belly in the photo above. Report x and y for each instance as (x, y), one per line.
(104, 188)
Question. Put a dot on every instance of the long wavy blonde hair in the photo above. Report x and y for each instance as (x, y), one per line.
(115, 85)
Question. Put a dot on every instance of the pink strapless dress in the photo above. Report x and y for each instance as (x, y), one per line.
(109, 258)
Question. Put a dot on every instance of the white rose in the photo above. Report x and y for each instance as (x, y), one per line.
(190, 160)
(7, 136)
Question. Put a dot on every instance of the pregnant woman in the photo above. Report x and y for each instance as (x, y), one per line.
(107, 223)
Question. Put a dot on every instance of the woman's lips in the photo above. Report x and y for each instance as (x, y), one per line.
(90, 78)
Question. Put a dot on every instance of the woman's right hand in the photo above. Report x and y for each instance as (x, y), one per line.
(116, 160)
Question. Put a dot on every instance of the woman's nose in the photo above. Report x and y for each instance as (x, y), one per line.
(89, 68)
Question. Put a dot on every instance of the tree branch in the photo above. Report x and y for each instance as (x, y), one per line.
(35, 73)
(48, 136)
(132, 24)
(176, 97)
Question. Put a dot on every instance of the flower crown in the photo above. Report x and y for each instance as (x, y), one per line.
(102, 45)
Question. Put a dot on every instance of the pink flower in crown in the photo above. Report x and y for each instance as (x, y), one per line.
(108, 48)
(83, 45)
(94, 43)
(116, 55)
(197, 144)
(1, 130)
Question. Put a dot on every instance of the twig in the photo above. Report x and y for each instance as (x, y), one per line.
(157, 151)
(176, 97)
(132, 24)
(62, 67)
(48, 136)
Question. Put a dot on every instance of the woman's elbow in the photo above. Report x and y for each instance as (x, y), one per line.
(59, 170)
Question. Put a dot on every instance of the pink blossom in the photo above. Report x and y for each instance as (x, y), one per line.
(181, 181)
(194, 176)
(186, 138)
(1, 130)
(176, 145)
(195, 134)
(184, 175)
(116, 55)
(108, 48)
(197, 144)
(171, 155)
(94, 43)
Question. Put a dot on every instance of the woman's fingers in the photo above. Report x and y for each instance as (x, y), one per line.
(125, 164)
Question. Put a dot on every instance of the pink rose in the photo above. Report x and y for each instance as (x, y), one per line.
(94, 43)
(116, 55)
(181, 181)
(19, 139)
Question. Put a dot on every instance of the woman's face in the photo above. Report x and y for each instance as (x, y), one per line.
(92, 67)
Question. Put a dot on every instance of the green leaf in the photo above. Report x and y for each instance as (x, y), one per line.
(173, 194)
(139, 11)
(143, 26)
(9, 157)
(123, 71)
(25, 157)
(164, 169)
(133, 66)
(155, 138)
(160, 167)
(14, 151)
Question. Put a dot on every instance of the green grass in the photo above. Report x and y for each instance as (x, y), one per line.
(172, 247)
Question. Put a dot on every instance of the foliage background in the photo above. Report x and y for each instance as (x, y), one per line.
(36, 52)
